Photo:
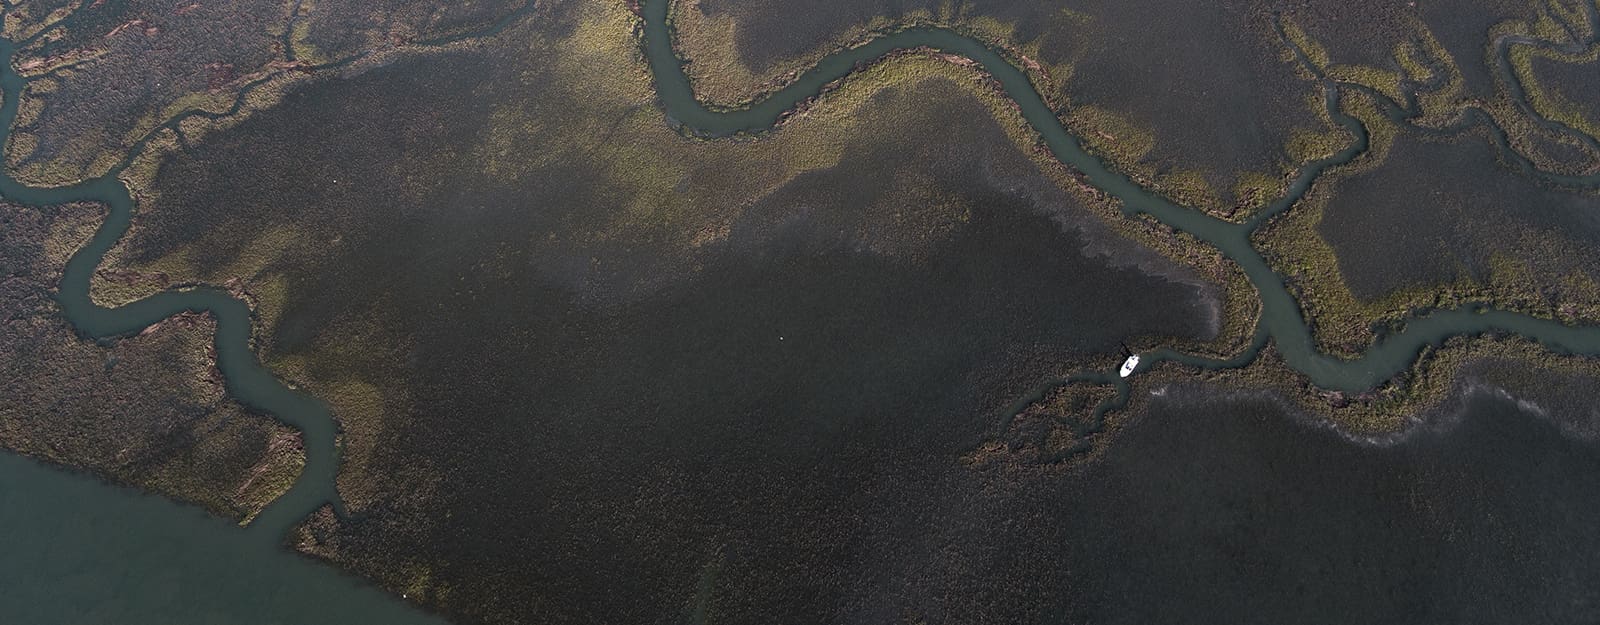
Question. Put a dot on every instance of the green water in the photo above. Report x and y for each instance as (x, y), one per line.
(145, 550)
(75, 550)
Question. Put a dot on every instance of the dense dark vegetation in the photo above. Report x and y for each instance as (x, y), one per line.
(1177, 88)
(618, 423)
(590, 370)
(1448, 213)
(1366, 33)
(335, 29)
(106, 76)
(148, 410)
(1227, 510)
(99, 88)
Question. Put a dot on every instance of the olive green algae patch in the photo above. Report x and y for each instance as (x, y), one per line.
(148, 410)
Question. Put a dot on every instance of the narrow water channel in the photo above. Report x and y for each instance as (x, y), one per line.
(256, 387)
(1280, 319)
(247, 381)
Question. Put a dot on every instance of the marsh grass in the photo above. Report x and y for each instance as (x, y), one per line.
(148, 410)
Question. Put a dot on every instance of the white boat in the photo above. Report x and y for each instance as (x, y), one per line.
(1129, 365)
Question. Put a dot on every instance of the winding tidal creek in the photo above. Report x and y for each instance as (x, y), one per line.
(1279, 321)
